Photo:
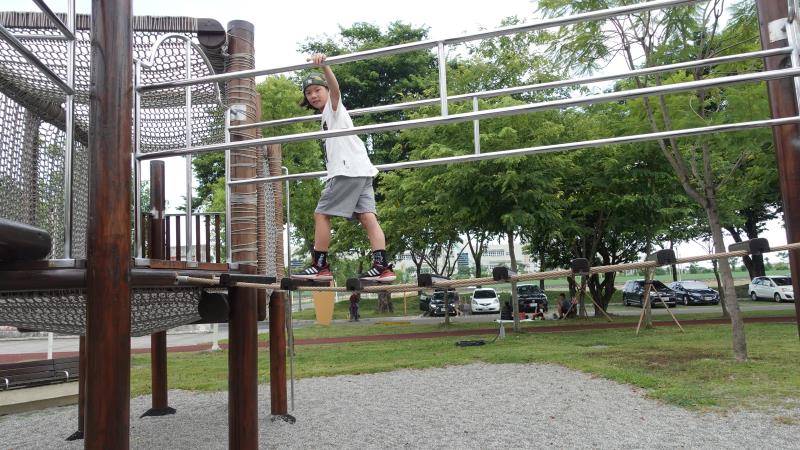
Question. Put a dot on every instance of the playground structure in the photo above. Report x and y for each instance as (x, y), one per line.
(67, 171)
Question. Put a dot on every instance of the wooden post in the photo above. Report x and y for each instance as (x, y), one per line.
(243, 357)
(783, 103)
(81, 390)
(108, 248)
(277, 354)
(243, 368)
(158, 341)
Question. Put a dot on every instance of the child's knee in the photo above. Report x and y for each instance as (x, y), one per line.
(367, 218)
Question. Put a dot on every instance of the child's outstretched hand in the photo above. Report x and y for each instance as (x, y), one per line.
(317, 58)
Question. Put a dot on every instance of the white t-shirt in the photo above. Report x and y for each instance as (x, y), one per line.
(346, 155)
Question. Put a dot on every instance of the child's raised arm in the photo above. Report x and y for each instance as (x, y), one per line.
(330, 78)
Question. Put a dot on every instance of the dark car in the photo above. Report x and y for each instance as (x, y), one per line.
(424, 301)
(437, 303)
(694, 293)
(531, 299)
(633, 294)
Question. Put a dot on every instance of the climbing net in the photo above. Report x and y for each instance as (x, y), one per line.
(33, 111)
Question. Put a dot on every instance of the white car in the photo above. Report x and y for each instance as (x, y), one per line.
(485, 300)
(775, 288)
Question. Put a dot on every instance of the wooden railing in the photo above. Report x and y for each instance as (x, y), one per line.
(175, 225)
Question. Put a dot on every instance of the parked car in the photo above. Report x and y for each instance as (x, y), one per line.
(778, 288)
(437, 303)
(633, 294)
(694, 293)
(485, 300)
(531, 298)
(424, 301)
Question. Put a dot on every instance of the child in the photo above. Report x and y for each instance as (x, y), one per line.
(348, 189)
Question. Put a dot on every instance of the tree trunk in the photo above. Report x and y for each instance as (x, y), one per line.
(542, 266)
(674, 267)
(385, 302)
(720, 290)
(514, 296)
(732, 303)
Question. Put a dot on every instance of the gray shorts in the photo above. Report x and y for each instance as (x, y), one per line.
(346, 196)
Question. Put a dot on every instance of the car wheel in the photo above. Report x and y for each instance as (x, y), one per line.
(685, 300)
(777, 298)
(753, 296)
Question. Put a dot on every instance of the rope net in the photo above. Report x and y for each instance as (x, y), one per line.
(33, 113)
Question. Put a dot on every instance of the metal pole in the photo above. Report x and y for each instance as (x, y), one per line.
(532, 87)
(228, 249)
(189, 253)
(490, 113)
(288, 230)
(547, 148)
(215, 341)
(69, 144)
(49, 345)
(442, 80)
(783, 103)
(137, 164)
(421, 45)
(67, 30)
(476, 128)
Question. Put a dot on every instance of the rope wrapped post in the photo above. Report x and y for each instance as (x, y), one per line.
(243, 350)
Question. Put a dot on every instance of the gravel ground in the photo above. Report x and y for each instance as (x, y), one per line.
(474, 406)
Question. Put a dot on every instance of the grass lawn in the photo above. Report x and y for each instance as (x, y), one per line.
(692, 369)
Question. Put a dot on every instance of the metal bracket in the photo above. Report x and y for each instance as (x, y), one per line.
(777, 30)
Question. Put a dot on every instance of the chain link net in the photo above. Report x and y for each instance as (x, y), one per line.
(152, 310)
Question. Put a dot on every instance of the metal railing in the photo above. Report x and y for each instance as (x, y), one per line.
(67, 87)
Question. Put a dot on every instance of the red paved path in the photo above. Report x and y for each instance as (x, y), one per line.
(436, 334)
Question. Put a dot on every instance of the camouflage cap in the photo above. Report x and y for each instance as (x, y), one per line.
(314, 78)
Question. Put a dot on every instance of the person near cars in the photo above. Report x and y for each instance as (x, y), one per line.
(354, 299)
(566, 308)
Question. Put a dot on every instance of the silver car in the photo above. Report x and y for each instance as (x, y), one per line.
(485, 300)
(776, 288)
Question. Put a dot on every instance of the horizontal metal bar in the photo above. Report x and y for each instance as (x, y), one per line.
(42, 37)
(33, 59)
(533, 87)
(54, 18)
(486, 114)
(421, 45)
(544, 149)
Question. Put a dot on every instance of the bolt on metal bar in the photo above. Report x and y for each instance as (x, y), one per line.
(534, 87)
(489, 113)
(422, 45)
(33, 59)
(547, 148)
(68, 32)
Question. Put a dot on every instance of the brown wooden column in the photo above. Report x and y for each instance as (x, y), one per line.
(277, 354)
(108, 247)
(81, 390)
(158, 341)
(783, 103)
(242, 331)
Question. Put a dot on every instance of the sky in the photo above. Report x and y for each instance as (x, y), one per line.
(281, 26)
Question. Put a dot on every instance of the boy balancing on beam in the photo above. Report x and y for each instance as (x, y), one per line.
(348, 189)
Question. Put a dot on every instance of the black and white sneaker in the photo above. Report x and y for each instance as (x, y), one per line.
(380, 273)
(315, 273)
